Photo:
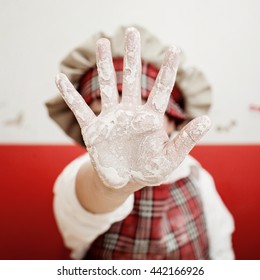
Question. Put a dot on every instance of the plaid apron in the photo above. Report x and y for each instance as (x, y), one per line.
(167, 222)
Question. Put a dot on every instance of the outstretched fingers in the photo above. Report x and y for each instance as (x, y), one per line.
(132, 68)
(74, 100)
(159, 96)
(187, 138)
(106, 75)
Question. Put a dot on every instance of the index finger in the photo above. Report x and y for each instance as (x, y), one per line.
(187, 138)
(160, 93)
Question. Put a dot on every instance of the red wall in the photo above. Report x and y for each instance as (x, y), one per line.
(27, 174)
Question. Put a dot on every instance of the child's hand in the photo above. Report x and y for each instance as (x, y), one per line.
(127, 141)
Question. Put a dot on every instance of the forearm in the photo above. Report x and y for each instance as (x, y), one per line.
(79, 227)
(94, 196)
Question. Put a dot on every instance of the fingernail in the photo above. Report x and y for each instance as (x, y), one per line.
(132, 39)
(199, 127)
(58, 79)
(103, 46)
(172, 57)
(63, 84)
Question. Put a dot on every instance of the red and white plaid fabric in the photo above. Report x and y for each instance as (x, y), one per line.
(89, 87)
(167, 222)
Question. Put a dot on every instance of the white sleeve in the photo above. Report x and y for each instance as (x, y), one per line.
(78, 227)
(219, 221)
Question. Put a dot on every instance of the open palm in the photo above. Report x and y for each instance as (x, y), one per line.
(127, 142)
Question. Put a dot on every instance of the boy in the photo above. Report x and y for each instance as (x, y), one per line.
(136, 195)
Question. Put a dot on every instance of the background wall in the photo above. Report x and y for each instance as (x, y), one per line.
(220, 37)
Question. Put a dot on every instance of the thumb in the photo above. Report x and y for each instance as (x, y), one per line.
(187, 138)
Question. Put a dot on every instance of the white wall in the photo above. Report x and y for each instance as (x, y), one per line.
(220, 37)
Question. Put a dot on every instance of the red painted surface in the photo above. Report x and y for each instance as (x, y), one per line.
(27, 174)
(236, 171)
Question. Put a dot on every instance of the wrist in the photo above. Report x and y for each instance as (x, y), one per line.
(108, 192)
(94, 195)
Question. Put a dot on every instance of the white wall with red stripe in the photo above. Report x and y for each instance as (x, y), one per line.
(222, 38)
